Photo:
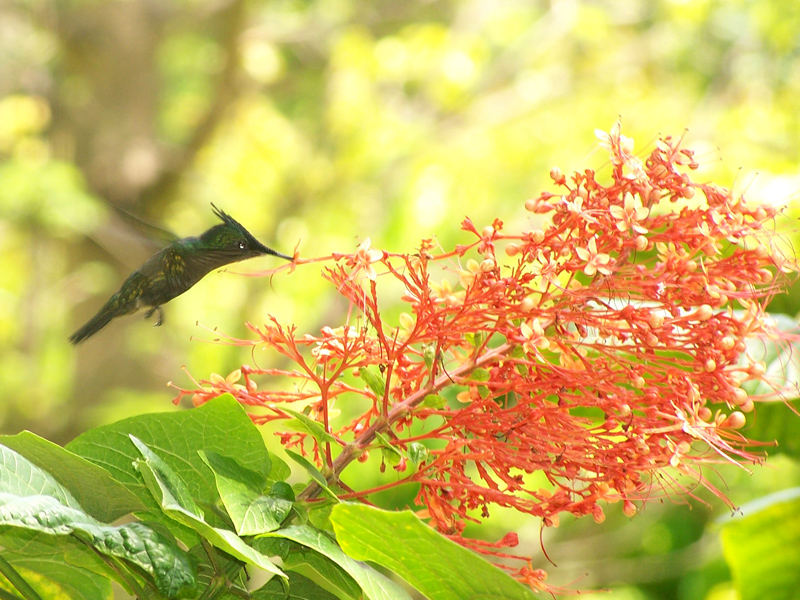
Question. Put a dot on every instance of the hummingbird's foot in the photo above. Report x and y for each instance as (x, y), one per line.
(150, 312)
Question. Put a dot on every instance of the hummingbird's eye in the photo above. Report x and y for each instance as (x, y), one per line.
(241, 245)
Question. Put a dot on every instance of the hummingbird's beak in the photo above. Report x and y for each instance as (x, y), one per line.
(279, 255)
(265, 250)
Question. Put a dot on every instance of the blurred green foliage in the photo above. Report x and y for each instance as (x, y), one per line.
(319, 123)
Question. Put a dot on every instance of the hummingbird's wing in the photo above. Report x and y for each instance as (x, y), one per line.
(157, 235)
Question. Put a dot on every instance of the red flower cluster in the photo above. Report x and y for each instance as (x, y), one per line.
(606, 345)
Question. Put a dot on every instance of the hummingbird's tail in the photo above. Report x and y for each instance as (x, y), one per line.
(95, 324)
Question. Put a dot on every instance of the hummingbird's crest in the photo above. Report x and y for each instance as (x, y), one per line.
(232, 236)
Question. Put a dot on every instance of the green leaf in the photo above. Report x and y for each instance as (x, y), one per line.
(307, 425)
(96, 491)
(320, 568)
(774, 422)
(433, 401)
(519, 352)
(417, 453)
(280, 470)
(480, 374)
(213, 566)
(374, 380)
(172, 496)
(429, 355)
(241, 492)
(281, 489)
(762, 547)
(374, 585)
(434, 565)
(162, 481)
(61, 574)
(220, 425)
(300, 588)
(391, 455)
(135, 543)
(311, 470)
(475, 339)
(20, 477)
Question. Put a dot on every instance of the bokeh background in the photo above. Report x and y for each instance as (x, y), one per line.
(319, 123)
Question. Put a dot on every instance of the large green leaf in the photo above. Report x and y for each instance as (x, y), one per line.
(135, 543)
(94, 488)
(220, 425)
(300, 588)
(173, 496)
(436, 566)
(374, 585)
(241, 492)
(58, 574)
(775, 422)
(762, 547)
(320, 568)
(20, 477)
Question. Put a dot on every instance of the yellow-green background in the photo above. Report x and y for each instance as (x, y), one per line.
(326, 122)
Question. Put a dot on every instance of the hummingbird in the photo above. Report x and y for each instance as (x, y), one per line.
(174, 269)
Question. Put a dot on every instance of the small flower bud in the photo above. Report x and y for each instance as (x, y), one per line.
(512, 249)
(727, 342)
(710, 365)
(704, 413)
(758, 369)
(530, 205)
(488, 265)
(735, 420)
(527, 304)
(703, 312)
(487, 232)
(628, 508)
(598, 514)
(557, 176)
(641, 242)
(739, 396)
(537, 236)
